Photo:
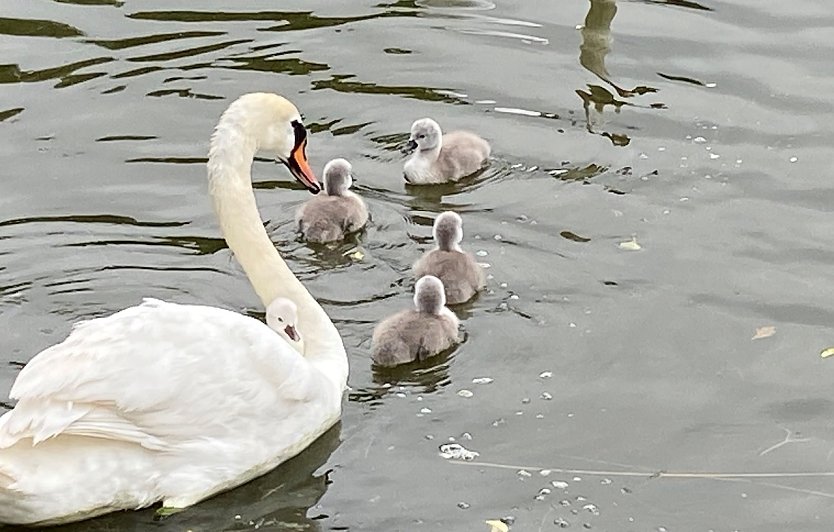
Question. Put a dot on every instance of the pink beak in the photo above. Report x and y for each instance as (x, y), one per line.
(292, 333)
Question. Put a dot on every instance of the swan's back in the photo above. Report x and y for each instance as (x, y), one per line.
(460, 273)
(410, 336)
(463, 153)
(329, 218)
(134, 396)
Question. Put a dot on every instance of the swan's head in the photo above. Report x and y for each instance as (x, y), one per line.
(425, 135)
(282, 317)
(275, 125)
(448, 231)
(337, 177)
(429, 296)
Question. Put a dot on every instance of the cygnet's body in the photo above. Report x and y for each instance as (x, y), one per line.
(440, 158)
(330, 216)
(282, 317)
(415, 335)
(461, 275)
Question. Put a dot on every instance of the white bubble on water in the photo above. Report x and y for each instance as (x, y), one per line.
(544, 492)
(456, 451)
(592, 508)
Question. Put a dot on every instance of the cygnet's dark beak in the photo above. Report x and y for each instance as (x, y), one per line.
(292, 333)
(410, 146)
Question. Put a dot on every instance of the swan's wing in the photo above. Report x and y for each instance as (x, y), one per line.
(152, 373)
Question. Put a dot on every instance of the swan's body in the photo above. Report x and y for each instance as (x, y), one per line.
(329, 217)
(174, 403)
(440, 158)
(415, 335)
(462, 277)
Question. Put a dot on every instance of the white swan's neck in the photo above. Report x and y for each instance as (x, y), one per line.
(230, 184)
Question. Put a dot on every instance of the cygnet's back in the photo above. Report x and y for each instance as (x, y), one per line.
(415, 335)
(331, 215)
(442, 158)
(461, 275)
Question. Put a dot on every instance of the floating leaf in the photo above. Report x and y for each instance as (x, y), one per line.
(827, 352)
(630, 245)
(764, 332)
(497, 526)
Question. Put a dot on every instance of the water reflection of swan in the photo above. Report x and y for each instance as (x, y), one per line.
(179, 402)
(596, 44)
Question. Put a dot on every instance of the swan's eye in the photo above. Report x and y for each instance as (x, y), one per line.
(281, 320)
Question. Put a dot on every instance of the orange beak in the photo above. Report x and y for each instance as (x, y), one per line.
(300, 168)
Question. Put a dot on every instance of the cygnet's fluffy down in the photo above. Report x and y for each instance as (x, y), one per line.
(282, 317)
(331, 215)
(440, 158)
(415, 335)
(461, 275)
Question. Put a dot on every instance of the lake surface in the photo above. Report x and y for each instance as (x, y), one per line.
(700, 132)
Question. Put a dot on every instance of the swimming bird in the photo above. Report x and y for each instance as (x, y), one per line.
(419, 333)
(329, 217)
(461, 275)
(440, 158)
(282, 317)
(172, 402)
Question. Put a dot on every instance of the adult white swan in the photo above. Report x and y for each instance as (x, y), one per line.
(175, 403)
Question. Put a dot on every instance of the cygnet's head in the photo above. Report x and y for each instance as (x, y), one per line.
(448, 231)
(337, 177)
(429, 296)
(282, 316)
(425, 135)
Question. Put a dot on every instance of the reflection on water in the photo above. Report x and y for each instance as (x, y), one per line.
(427, 376)
(596, 44)
(37, 28)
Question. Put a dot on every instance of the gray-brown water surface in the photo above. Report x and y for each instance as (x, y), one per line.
(700, 131)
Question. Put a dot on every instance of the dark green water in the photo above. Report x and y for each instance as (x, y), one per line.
(702, 130)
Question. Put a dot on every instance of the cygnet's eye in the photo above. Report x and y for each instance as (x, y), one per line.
(421, 136)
